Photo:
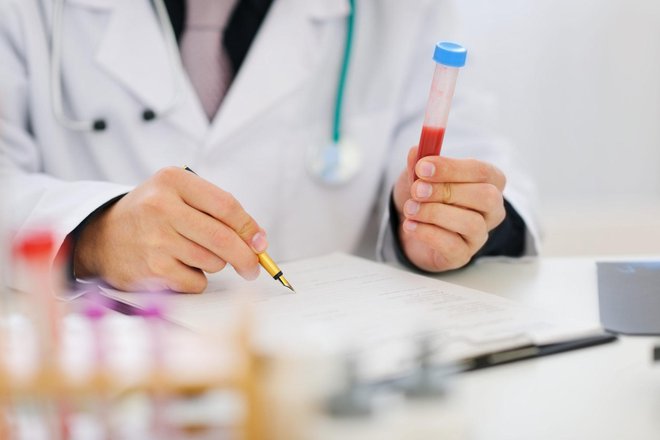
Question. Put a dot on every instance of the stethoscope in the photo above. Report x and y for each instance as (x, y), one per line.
(333, 164)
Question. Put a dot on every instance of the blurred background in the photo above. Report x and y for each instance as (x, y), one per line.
(578, 88)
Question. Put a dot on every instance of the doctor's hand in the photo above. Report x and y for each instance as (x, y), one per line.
(166, 233)
(447, 213)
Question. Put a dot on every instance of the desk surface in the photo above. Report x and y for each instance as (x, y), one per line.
(605, 392)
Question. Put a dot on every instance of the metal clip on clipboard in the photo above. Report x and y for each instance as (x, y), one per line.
(519, 346)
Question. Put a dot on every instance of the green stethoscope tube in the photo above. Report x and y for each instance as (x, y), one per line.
(336, 123)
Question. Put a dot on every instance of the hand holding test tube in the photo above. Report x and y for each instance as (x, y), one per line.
(446, 206)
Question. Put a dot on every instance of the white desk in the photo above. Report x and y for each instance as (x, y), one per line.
(605, 392)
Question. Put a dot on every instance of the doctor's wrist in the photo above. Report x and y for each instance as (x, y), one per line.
(85, 241)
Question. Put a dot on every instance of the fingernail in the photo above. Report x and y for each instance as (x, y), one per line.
(409, 225)
(425, 169)
(411, 207)
(259, 242)
(423, 190)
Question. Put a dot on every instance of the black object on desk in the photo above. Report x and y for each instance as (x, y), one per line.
(536, 351)
(629, 297)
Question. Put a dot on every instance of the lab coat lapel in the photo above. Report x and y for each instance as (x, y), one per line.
(278, 62)
(134, 52)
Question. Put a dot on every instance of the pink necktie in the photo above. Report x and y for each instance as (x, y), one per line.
(204, 58)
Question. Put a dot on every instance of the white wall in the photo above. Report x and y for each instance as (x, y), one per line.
(578, 83)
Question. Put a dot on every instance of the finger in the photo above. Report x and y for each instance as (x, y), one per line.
(185, 279)
(218, 238)
(484, 198)
(467, 223)
(208, 198)
(169, 273)
(438, 169)
(192, 254)
(450, 251)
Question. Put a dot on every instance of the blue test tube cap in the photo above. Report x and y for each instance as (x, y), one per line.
(450, 54)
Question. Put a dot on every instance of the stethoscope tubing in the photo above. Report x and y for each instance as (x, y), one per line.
(343, 75)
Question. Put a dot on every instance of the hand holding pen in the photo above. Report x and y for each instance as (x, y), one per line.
(168, 233)
(265, 261)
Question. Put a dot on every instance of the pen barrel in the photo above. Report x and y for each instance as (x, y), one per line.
(270, 266)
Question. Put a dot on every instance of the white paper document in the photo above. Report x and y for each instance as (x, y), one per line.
(369, 307)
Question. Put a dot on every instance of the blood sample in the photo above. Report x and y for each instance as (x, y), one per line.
(449, 58)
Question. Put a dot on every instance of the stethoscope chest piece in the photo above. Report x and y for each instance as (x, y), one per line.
(334, 163)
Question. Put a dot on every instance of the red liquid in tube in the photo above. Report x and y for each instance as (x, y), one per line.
(430, 142)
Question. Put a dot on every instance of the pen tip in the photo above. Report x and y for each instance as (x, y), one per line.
(286, 284)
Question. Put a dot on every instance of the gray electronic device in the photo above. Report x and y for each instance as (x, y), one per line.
(629, 297)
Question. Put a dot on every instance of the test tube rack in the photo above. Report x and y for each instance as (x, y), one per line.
(50, 384)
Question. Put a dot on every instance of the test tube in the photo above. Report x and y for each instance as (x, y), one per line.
(153, 313)
(449, 58)
(95, 313)
(34, 253)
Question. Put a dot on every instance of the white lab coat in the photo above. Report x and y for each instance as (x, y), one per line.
(115, 64)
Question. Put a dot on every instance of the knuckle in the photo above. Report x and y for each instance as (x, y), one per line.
(196, 283)
(192, 282)
(445, 167)
(248, 228)
(219, 238)
(208, 261)
(167, 175)
(492, 196)
(228, 201)
(153, 202)
(156, 265)
(156, 242)
(482, 170)
(217, 266)
(499, 217)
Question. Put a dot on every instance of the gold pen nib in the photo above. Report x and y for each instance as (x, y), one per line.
(286, 283)
(272, 269)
